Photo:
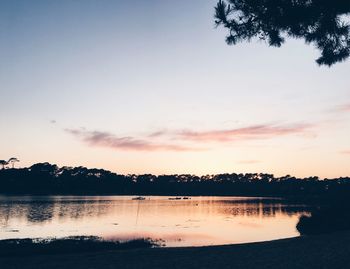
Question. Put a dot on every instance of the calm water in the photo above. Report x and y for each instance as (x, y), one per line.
(194, 222)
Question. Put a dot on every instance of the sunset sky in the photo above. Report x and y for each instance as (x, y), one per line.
(152, 87)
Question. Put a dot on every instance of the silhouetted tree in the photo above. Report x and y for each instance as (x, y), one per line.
(12, 161)
(323, 23)
(3, 163)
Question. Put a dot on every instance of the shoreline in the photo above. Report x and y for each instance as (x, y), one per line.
(316, 251)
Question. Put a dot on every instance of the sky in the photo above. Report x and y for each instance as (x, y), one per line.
(152, 87)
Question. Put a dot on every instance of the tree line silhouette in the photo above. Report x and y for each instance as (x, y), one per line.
(46, 178)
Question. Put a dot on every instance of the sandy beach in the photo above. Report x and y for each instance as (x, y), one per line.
(319, 251)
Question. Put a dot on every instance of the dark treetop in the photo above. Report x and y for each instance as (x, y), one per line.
(323, 23)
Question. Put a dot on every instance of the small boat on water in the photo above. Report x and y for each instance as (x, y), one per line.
(139, 198)
(186, 198)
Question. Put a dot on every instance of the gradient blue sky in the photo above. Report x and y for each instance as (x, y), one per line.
(152, 87)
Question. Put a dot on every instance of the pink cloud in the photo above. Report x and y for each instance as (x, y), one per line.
(105, 139)
(156, 141)
(345, 152)
(343, 108)
(251, 132)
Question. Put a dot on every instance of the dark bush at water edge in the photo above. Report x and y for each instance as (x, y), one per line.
(328, 217)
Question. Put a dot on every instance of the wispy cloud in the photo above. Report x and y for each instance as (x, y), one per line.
(108, 140)
(166, 140)
(245, 133)
(345, 152)
(158, 133)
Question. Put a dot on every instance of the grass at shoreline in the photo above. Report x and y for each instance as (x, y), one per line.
(73, 244)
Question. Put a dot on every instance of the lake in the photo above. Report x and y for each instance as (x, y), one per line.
(196, 221)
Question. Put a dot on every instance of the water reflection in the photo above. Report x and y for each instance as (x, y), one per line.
(197, 221)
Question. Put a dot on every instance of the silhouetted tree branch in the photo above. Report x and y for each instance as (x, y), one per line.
(12, 161)
(323, 23)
